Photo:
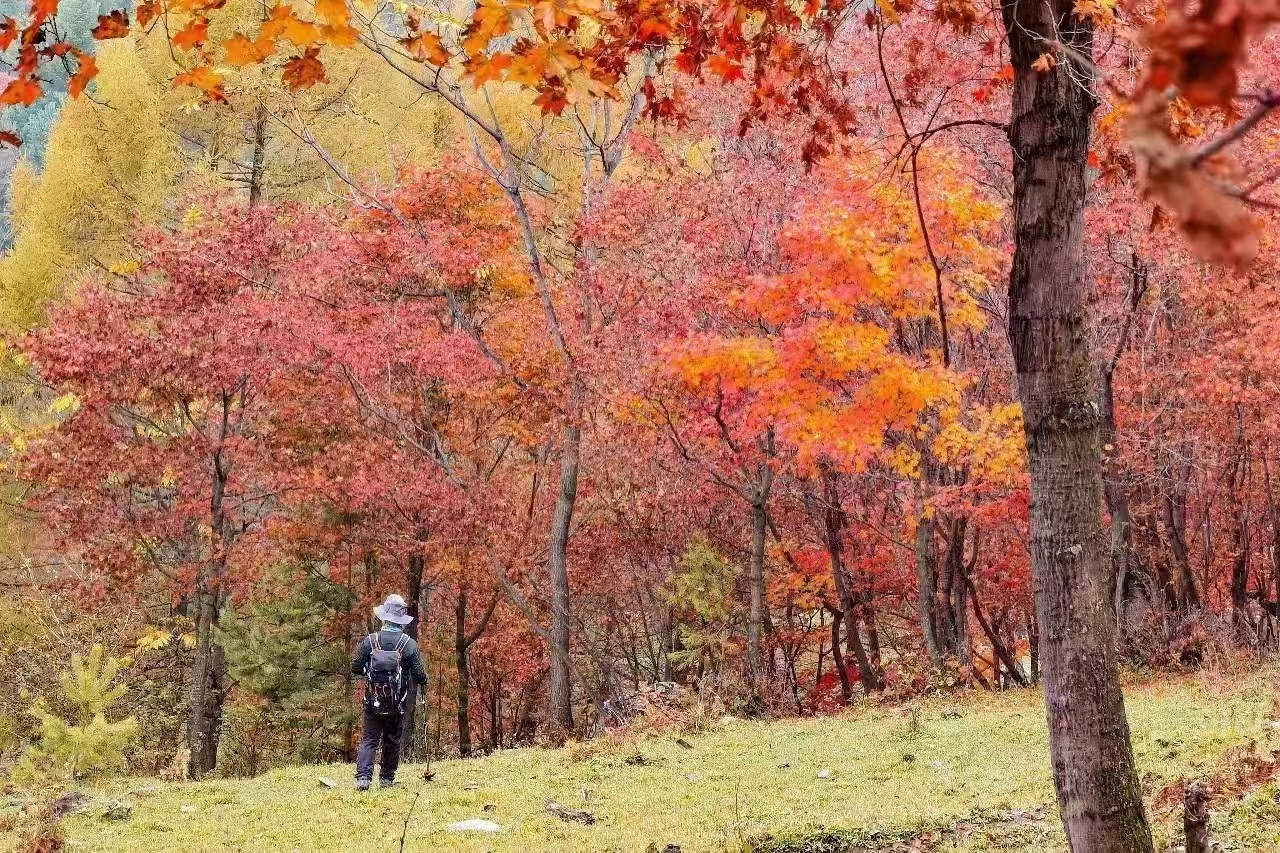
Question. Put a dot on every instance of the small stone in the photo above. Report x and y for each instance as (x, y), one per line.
(474, 825)
(570, 815)
(490, 807)
(824, 774)
(71, 802)
(188, 809)
(326, 782)
(693, 777)
(116, 810)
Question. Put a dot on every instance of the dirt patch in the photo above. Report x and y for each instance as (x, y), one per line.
(1004, 828)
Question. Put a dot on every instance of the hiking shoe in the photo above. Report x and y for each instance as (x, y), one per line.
(362, 784)
(386, 783)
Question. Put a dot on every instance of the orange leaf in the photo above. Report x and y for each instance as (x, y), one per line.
(23, 90)
(240, 51)
(205, 79)
(283, 23)
(303, 72)
(333, 12)
(339, 35)
(1044, 62)
(86, 70)
(147, 12)
(193, 35)
(112, 26)
(8, 32)
(427, 47)
(42, 9)
(485, 68)
(726, 68)
(523, 73)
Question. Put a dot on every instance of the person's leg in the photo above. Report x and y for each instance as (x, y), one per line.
(370, 735)
(391, 729)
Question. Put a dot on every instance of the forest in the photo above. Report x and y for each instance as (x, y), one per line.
(747, 359)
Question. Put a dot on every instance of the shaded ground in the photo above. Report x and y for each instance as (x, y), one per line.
(948, 775)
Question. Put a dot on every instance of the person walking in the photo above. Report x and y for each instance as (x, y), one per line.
(386, 660)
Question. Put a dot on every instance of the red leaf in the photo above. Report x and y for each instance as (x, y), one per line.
(9, 138)
(8, 32)
(303, 72)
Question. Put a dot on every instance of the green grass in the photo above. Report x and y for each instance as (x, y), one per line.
(893, 773)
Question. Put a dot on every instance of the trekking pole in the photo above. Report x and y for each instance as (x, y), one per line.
(428, 774)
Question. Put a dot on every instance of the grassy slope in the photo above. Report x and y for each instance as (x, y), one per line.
(732, 786)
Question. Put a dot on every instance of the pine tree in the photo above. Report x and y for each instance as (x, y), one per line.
(83, 742)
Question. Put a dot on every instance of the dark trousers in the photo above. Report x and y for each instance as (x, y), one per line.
(379, 730)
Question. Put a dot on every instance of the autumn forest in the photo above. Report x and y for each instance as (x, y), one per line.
(752, 359)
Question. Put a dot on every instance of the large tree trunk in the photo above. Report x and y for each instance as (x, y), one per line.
(1089, 744)
(561, 698)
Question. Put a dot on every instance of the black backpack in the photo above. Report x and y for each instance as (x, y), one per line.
(384, 678)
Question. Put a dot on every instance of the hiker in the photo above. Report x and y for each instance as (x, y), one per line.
(386, 660)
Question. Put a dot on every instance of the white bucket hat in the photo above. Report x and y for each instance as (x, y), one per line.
(393, 610)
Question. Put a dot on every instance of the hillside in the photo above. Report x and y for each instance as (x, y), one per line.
(959, 775)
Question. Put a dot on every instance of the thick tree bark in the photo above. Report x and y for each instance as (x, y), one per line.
(1089, 743)
(561, 699)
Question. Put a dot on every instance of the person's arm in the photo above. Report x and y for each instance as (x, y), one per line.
(360, 663)
(416, 666)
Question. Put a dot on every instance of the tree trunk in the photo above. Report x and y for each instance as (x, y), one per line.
(460, 649)
(755, 579)
(1116, 492)
(1089, 743)
(837, 658)
(415, 567)
(561, 699)
(258, 162)
(925, 573)
(833, 518)
(201, 730)
(1195, 818)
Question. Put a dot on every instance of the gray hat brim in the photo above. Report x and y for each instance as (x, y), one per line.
(391, 617)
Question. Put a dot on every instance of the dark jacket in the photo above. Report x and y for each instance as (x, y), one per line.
(410, 657)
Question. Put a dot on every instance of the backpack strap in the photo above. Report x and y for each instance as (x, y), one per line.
(400, 644)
